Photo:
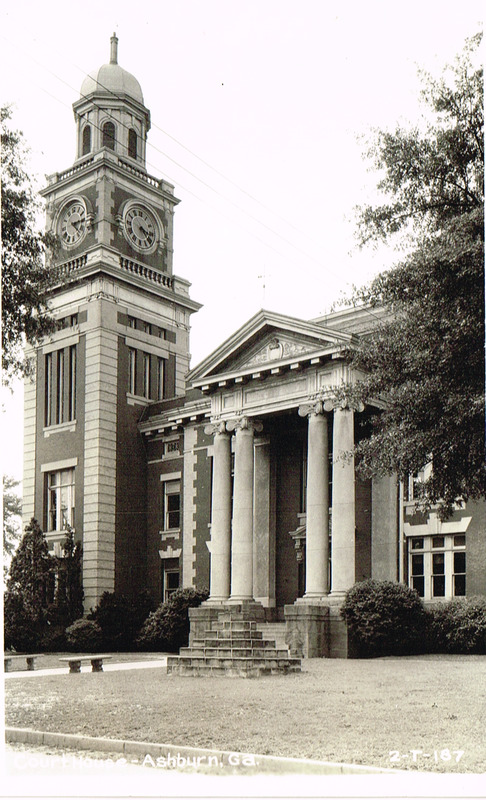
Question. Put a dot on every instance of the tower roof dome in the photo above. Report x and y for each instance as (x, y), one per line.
(111, 79)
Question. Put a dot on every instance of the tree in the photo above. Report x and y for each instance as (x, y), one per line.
(426, 360)
(12, 509)
(25, 276)
(27, 593)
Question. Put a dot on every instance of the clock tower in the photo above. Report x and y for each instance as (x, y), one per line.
(122, 340)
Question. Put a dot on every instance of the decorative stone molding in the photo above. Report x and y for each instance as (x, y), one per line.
(215, 427)
(244, 423)
(344, 403)
(316, 407)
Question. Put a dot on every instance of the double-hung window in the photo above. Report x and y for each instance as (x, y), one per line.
(60, 499)
(172, 505)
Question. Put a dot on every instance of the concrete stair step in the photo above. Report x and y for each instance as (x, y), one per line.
(234, 652)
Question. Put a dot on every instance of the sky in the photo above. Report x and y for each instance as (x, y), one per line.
(260, 112)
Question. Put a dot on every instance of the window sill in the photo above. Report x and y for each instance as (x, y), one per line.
(137, 400)
(63, 427)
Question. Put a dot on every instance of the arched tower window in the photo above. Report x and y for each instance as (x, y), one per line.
(108, 135)
(132, 143)
(86, 140)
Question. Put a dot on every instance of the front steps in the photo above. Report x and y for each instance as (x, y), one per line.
(274, 630)
(233, 647)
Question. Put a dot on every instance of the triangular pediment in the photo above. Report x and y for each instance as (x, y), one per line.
(268, 338)
(276, 346)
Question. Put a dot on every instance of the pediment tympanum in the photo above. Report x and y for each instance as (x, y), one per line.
(267, 339)
(276, 348)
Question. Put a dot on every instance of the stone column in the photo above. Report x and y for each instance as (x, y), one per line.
(343, 497)
(220, 544)
(242, 529)
(317, 504)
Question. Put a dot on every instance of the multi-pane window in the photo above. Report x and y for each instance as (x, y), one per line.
(60, 499)
(437, 565)
(160, 378)
(170, 577)
(48, 387)
(59, 387)
(132, 370)
(146, 374)
(72, 383)
(132, 322)
(172, 505)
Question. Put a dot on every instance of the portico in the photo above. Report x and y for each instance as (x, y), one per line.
(278, 414)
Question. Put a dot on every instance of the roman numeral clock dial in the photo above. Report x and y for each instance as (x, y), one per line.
(72, 225)
(140, 228)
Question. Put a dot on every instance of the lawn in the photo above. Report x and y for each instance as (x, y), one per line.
(335, 710)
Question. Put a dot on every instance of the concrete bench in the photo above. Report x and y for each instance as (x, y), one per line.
(76, 661)
(30, 661)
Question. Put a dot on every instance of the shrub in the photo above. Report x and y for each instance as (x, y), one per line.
(167, 628)
(120, 619)
(85, 636)
(22, 629)
(458, 626)
(384, 618)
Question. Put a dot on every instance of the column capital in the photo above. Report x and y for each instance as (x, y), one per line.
(214, 427)
(313, 407)
(343, 402)
(244, 423)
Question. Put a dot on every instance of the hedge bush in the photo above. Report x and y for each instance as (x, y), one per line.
(458, 626)
(120, 619)
(85, 636)
(384, 618)
(167, 628)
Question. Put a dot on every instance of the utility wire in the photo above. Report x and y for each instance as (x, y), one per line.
(204, 183)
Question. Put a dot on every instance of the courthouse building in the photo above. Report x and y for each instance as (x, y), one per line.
(230, 475)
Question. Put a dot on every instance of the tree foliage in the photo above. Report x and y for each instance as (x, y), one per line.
(12, 509)
(25, 276)
(426, 360)
(44, 592)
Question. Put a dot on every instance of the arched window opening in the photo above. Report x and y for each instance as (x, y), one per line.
(86, 140)
(109, 135)
(132, 143)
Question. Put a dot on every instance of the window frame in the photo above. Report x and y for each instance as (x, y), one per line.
(58, 483)
(170, 489)
(439, 564)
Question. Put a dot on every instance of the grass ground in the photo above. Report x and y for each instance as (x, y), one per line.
(335, 710)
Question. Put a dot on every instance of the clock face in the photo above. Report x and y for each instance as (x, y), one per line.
(140, 227)
(72, 226)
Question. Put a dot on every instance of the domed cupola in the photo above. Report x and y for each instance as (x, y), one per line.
(111, 113)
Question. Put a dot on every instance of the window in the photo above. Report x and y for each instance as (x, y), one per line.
(132, 143)
(86, 140)
(132, 370)
(437, 565)
(60, 387)
(160, 378)
(172, 505)
(146, 327)
(48, 390)
(60, 499)
(132, 322)
(108, 135)
(170, 577)
(146, 375)
(72, 383)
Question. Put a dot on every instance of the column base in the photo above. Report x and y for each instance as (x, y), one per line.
(316, 630)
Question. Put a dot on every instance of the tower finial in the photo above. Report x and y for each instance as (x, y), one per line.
(114, 49)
